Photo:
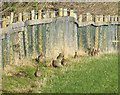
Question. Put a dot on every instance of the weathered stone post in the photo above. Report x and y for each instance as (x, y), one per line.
(53, 14)
(101, 18)
(106, 20)
(21, 39)
(25, 18)
(80, 40)
(3, 56)
(89, 17)
(11, 17)
(116, 18)
(112, 18)
(96, 33)
(3, 22)
(61, 12)
(40, 31)
(40, 14)
(75, 15)
(101, 38)
(72, 13)
(36, 16)
(20, 17)
(12, 59)
(65, 12)
(33, 34)
(47, 14)
(44, 14)
(108, 35)
(7, 38)
(117, 31)
(88, 29)
(80, 19)
(1, 65)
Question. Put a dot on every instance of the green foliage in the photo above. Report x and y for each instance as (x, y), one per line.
(11, 9)
(10, 5)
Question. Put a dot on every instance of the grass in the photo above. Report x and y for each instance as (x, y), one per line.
(82, 75)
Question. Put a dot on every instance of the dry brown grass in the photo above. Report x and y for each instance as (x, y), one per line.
(97, 8)
(11, 69)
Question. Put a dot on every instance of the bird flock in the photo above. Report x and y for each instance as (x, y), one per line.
(60, 60)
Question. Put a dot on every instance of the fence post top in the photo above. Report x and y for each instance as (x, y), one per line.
(42, 13)
(20, 17)
(101, 15)
(32, 11)
(60, 8)
(20, 14)
(88, 13)
(80, 15)
(8, 17)
(40, 10)
(12, 13)
(65, 8)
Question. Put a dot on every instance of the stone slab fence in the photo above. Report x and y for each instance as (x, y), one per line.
(25, 35)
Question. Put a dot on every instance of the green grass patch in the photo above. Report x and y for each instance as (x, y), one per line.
(88, 75)
(82, 75)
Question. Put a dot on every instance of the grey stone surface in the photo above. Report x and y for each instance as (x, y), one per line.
(59, 35)
(0, 66)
